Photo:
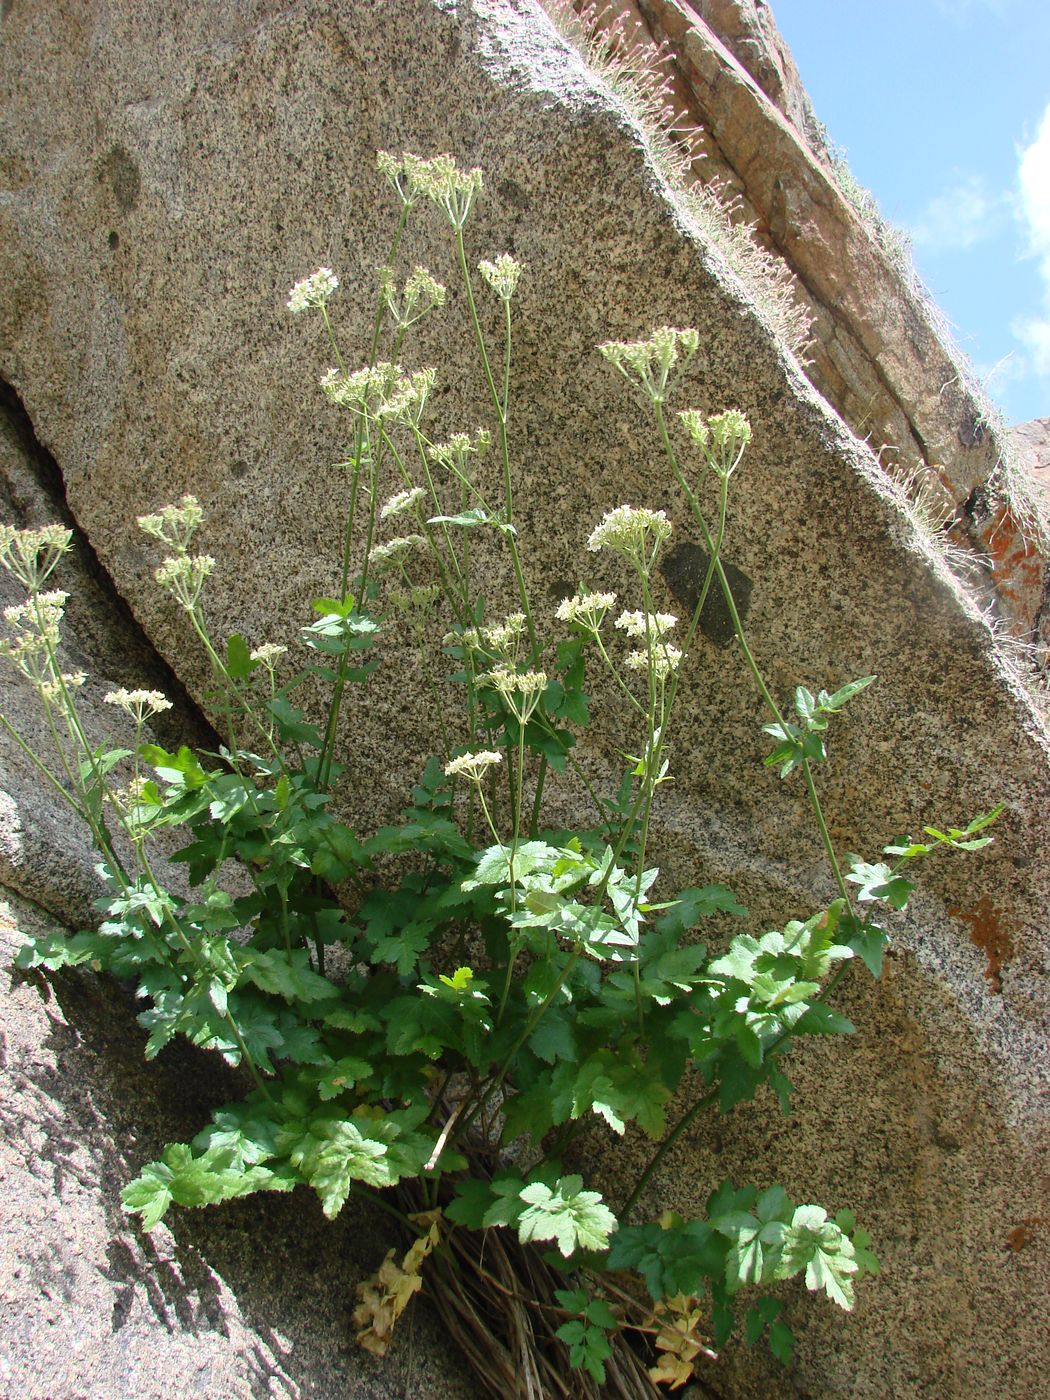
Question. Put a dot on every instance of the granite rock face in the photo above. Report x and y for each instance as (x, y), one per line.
(170, 171)
(239, 1304)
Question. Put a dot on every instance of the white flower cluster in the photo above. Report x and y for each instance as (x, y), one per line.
(502, 275)
(32, 650)
(402, 501)
(383, 391)
(648, 364)
(633, 531)
(268, 654)
(472, 765)
(139, 704)
(70, 680)
(36, 624)
(385, 556)
(313, 290)
(651, 625)
(586, 610)
(662, 659)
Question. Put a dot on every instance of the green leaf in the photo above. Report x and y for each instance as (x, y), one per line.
(238, 658)
(568, 1215)
(820, 1019)
(553, 1040)
(338, 853)
(765, 1311)
(782, 1342)
(149, 1195)
(879, 882)
(403, 948)
(343, 1156)
(466, 519)
(672, 1260)
(468, 1206)
(506, 1205)
(291, 724)
(693, 905)
(831, 703)
(288, 975)
(818, 1245)
(866, 939)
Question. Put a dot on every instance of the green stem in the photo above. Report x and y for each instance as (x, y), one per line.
(738, 630)
(537, 800)
(499, 403)
(508, 1063)
(697, 1108)
(665, 1146)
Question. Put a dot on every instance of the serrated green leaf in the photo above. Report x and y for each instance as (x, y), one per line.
(344, 1155)
(149, 1195)
(571, 1217)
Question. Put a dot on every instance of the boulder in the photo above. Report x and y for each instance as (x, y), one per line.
(172, 170)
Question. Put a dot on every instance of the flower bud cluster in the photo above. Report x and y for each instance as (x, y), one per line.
(452, 455)
(32, 554)
(183, 577)
(174, 526)
(418, 600)
(408, 398)
(438, 179)
(722, 438)
(68, 682)
(504, 640)
(421, 293)
(365, 390)
(521, 690)
(653, 365)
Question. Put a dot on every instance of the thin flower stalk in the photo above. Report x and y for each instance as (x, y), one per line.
(738, 630)
(331, 729)
(500, 402)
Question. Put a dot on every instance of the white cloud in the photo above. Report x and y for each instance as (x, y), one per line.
(960, 217)
(1033, 331)
(962, 11)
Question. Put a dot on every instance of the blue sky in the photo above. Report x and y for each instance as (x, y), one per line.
(943, 110)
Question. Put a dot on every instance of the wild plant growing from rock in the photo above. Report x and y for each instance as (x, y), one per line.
(433, 1015)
